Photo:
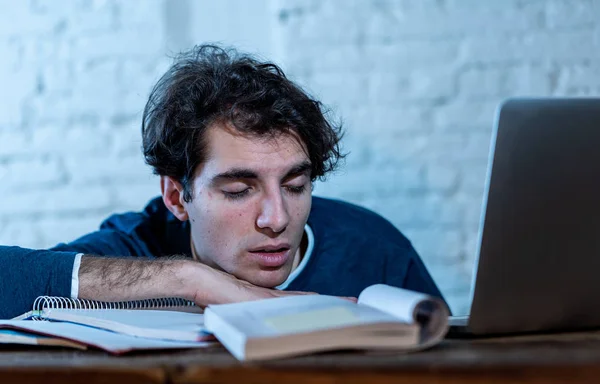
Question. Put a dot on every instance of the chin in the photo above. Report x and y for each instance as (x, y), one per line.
(268, 279)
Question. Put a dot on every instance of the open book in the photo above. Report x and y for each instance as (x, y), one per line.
(384, 318)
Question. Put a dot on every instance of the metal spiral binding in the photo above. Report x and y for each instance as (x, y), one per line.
(52, 302)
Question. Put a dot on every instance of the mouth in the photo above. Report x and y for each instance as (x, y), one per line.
(272, 256)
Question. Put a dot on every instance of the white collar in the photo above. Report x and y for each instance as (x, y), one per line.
(309, 248)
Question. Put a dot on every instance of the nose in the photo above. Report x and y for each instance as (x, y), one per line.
(273, 214)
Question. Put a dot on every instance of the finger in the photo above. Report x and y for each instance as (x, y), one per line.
(296, 293)
(304, 293)
(349, 298)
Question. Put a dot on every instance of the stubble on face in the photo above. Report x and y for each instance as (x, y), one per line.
(250, 196)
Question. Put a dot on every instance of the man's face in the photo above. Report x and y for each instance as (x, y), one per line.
(251, 200)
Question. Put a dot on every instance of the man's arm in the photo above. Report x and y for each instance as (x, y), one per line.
(134, 276)
(122, 279)
(26, 274)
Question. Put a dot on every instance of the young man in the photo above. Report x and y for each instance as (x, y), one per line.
(237, 147)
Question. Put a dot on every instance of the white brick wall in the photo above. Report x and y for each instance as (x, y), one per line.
(416, 82)
(74, 76)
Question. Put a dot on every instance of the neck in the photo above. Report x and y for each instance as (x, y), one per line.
(194, 254)
(300, 252)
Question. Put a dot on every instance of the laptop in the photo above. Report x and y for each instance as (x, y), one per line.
(538, 254)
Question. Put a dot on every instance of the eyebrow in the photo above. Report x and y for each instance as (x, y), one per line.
(243, 173)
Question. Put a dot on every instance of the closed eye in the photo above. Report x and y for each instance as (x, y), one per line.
(236, 195)
(296, 189)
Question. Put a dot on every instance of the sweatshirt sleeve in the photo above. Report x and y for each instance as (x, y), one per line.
(26, 274)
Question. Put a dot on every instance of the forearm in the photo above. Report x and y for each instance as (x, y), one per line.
(123, 279)
(110, 279)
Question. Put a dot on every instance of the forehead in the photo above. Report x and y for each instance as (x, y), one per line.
(226, 147)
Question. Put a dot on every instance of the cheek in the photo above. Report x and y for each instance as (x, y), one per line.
(300, 209)
(226, 221)
(236, 220)
(220, 228)
(208, 220)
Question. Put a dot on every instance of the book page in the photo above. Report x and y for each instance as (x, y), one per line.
(398, 302)
(309, 320)
(410, 307)
(296, 314)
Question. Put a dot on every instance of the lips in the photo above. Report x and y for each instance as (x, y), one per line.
(270, 255)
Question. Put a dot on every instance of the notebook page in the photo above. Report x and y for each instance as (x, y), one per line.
(106, 340)
(10, 336)
(170, 325)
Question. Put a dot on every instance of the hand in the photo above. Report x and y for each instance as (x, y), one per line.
(221, 288)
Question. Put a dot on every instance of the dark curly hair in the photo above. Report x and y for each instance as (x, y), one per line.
(208, 84)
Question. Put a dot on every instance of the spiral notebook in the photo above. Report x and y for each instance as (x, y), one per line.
(165, 318)
(169, 303)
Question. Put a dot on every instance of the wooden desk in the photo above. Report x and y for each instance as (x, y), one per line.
(564, 358)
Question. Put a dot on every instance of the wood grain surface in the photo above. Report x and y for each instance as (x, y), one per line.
(559, 358)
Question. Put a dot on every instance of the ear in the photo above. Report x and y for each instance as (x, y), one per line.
(172, 194)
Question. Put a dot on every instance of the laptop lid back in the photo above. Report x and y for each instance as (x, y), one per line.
(539, 250)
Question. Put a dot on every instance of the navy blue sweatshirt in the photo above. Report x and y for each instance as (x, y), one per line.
(353, 248)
